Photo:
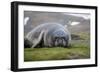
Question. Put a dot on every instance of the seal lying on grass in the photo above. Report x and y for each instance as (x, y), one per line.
(48, 35)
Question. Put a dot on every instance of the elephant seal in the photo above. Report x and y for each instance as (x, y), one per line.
(48, 35)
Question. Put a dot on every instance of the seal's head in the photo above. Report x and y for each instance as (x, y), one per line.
(60, 38)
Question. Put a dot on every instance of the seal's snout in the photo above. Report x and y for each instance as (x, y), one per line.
(60, 42)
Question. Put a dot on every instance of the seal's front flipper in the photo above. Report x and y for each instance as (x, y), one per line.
(36, 41)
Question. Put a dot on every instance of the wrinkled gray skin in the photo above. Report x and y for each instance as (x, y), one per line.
(49, 35)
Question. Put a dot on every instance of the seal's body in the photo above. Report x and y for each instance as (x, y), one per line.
(48, 35)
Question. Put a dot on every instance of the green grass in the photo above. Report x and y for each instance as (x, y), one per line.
(79, 49)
